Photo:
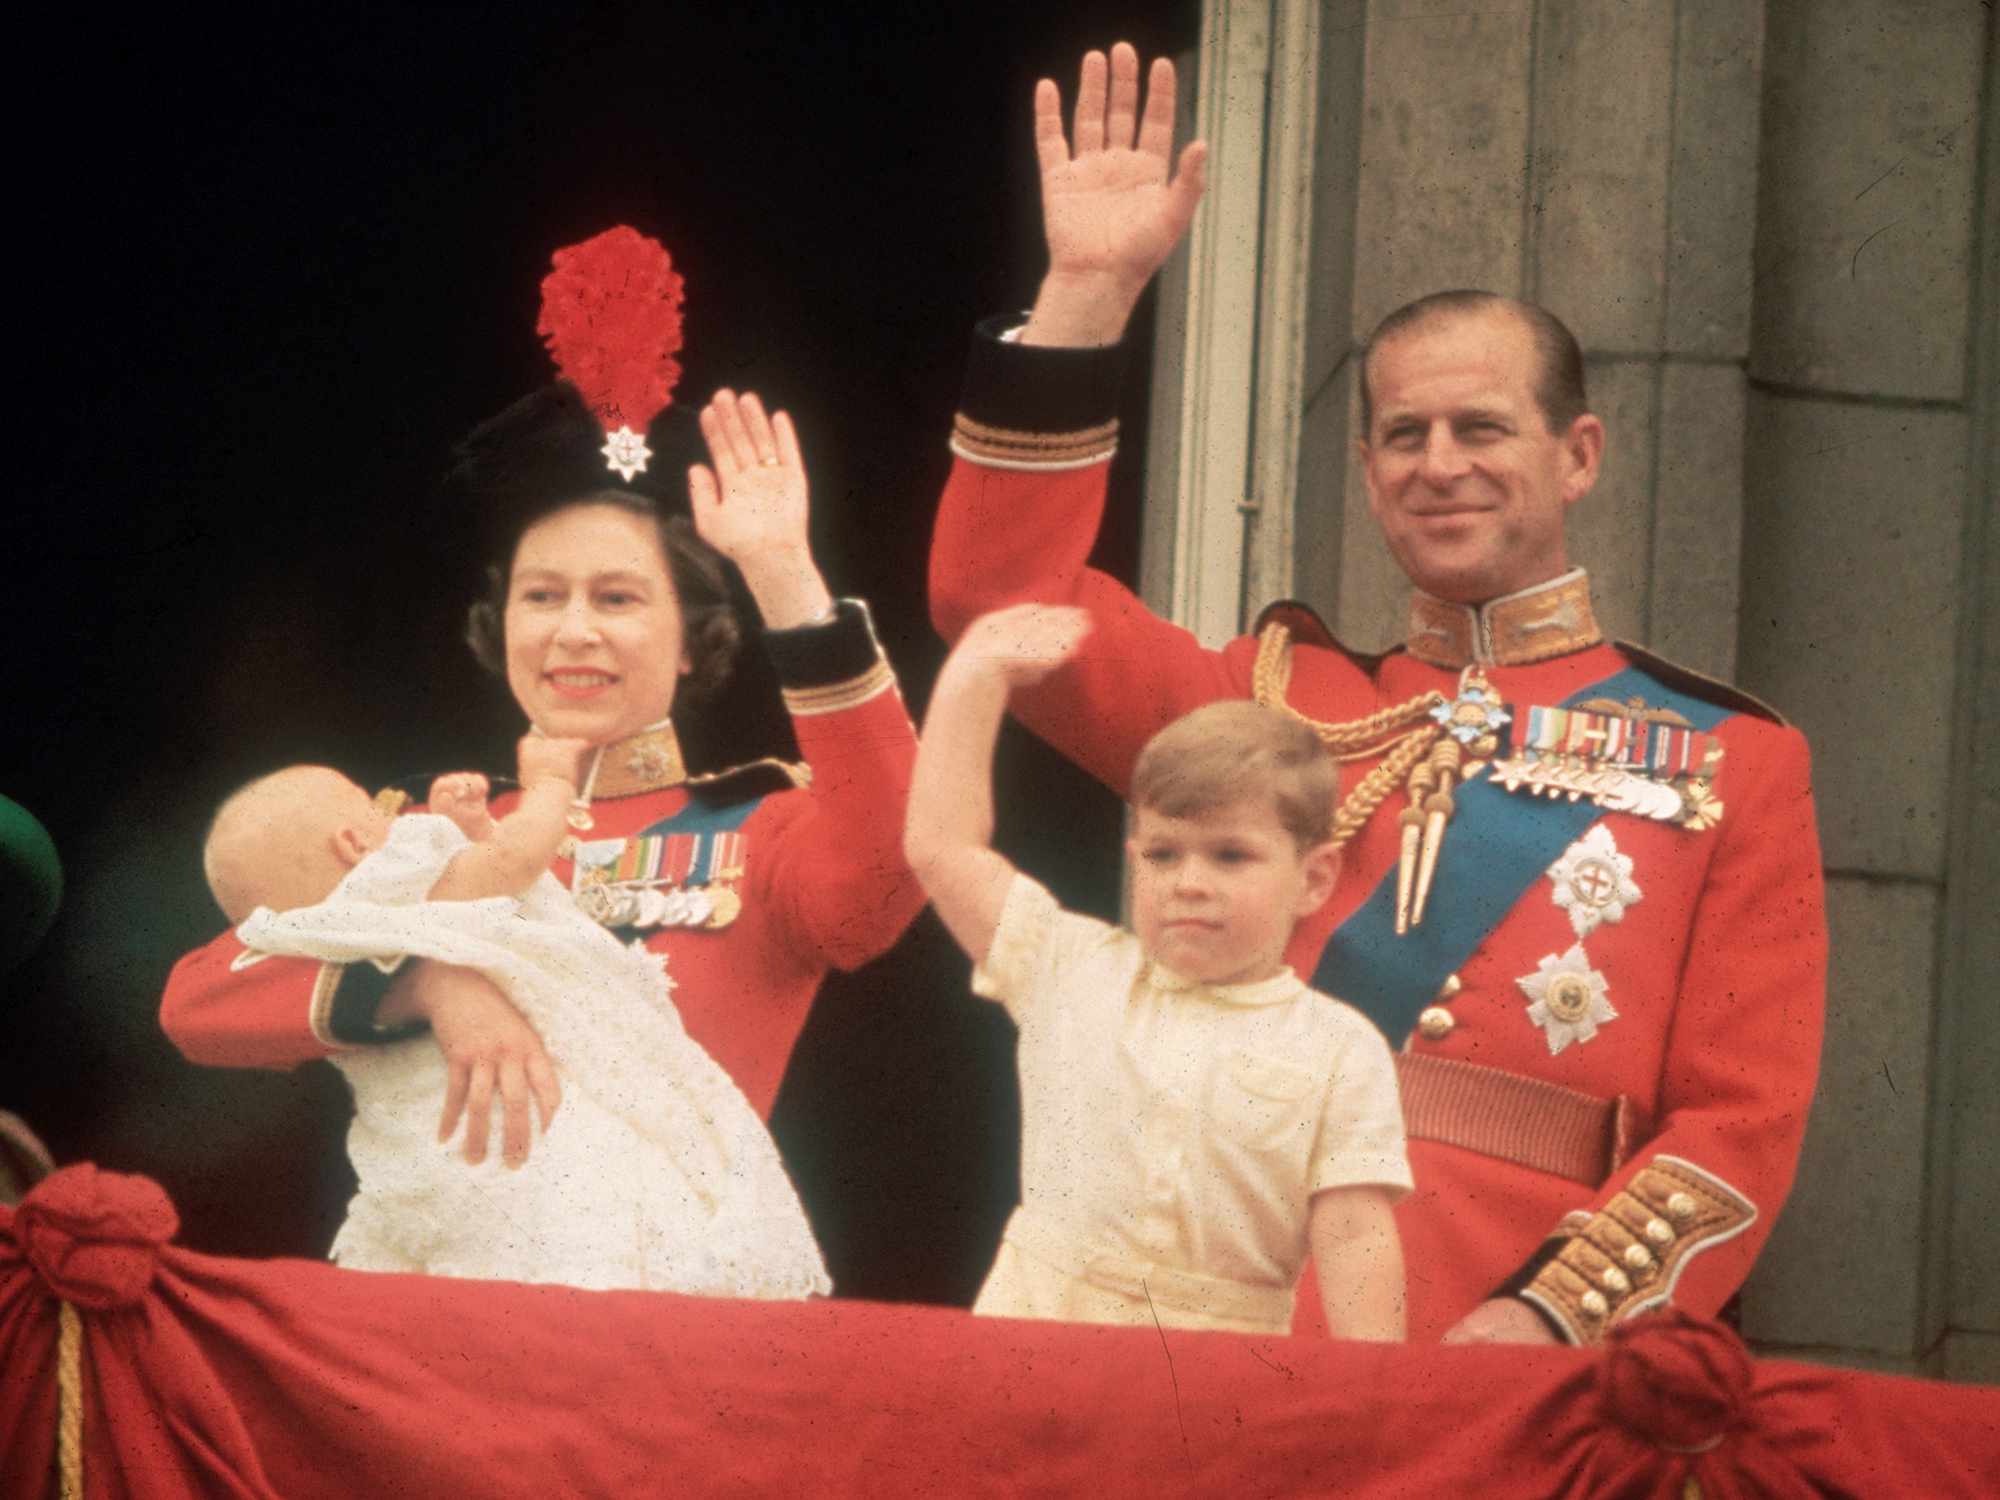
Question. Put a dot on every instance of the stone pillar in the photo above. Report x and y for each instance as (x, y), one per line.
(1473, 151)
(1855, 511)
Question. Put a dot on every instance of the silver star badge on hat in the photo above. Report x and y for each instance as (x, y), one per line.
(625, 451)
(1569, 998)
(1593, 881)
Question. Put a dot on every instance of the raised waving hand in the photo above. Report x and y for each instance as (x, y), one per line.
(1114, 202)
(752, 507)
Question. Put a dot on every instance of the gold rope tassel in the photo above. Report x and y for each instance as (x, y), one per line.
(1410, 737)
(1446, 756)
(1357, 739)
(69, 1411)
(1377, 784)
(1422, 778)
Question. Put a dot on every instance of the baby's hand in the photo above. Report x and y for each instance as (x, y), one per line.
(543, 758)
(461, 796)
(1024, 643)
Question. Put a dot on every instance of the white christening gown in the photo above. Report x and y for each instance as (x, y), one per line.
(655, 1173)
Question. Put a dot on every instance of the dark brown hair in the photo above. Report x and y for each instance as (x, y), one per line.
(710, 632)
(1559, 374)
(1235, 750)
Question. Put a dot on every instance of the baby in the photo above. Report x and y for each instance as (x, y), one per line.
(656, 1174)
(1195, 1119)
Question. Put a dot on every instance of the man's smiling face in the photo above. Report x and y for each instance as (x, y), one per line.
(1465, 477)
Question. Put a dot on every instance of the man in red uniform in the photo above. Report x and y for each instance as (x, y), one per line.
(1583, 889)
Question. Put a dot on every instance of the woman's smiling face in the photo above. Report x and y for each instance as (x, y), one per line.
(594, 639)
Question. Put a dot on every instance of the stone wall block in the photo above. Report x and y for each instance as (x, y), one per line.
(1865, 195)
(1851, 541)
(1330, 333)
(1326, 470)
(1698, 517)
(1372, 607)
(1842, 1266)
(1608, 529)
(1973, 1358)
(1598, 174)
(1712, 194)
(1444, 134)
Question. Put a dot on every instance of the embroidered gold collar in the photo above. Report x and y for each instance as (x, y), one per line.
(1549, 620)
(648, 761)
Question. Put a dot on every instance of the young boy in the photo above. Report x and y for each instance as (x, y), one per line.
(1194, 1118)
(656, 1175)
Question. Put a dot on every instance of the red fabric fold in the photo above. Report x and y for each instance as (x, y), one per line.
(254, 1379)
(94, 1237)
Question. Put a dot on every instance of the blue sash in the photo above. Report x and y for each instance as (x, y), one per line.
(1497, 844)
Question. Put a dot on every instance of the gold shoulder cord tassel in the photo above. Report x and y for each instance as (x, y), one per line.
(1423, 743)
(69, 1409)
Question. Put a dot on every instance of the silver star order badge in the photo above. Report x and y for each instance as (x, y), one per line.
(626, 451)
(1569, 998)
(1593, 881)
(1475, 712)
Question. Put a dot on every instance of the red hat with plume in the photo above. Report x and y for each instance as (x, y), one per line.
(611, 318)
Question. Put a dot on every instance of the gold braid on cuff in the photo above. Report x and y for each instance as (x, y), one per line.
(1627, 1257)
(1010, 448)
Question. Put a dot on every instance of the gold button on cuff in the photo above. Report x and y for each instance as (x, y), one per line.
(1638, 1257)
(1616, 1281)
(1660, 1232)
(1681, 1206)
(1436, 1023)
(1593, 1304)
(1450, 987)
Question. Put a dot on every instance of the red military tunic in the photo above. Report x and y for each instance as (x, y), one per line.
(824, 886)
(1715, 970)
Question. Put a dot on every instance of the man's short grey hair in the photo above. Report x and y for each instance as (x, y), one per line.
(1558, 382)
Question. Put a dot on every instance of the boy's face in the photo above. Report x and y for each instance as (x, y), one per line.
(1215, 896)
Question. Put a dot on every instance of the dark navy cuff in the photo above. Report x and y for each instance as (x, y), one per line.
(826, 654)
(357, 996)
(1018, 387)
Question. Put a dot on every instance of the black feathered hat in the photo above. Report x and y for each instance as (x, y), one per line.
(612, 321)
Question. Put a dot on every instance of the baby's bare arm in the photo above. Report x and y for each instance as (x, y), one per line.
(522, 844)
(461, 796)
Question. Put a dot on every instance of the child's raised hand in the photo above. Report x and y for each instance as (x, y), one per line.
(1023, 643)
(544, 758)
(461, 796)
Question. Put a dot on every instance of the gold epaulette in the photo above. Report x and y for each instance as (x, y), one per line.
(1700, 684)
(754, 778)
(1625, 1259)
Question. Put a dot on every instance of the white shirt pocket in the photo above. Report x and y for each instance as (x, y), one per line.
(1260, 1101)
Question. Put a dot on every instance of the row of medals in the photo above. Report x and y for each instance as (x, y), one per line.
(652, 905)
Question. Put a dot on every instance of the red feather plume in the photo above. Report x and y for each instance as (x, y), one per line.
(611, 316)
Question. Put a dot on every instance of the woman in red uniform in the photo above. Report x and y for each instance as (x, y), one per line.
(605, 614)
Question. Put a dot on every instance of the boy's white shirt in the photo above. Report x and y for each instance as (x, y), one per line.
(1183, 1124)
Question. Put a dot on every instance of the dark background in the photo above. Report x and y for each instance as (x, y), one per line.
(263, 277)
